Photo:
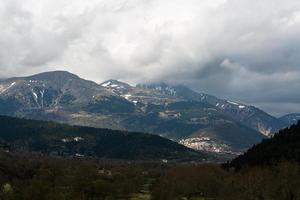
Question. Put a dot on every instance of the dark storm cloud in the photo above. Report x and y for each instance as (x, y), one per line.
(239, 49)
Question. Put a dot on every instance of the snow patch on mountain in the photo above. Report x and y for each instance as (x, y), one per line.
(127, 96)
(32, 81)
(105, 84)
(35, 96)
(75, 139)
(234, 103)
(166, 90)
(241, 106)
(42, 97)
(115, 84)
(227, 103)
(5, 88)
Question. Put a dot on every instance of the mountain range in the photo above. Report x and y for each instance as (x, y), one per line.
(197, 120)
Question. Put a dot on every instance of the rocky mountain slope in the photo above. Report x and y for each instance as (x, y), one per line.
(248, 115)
(194, 119)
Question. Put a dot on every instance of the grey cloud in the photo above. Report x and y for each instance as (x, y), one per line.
(239, 49)
(29, 41)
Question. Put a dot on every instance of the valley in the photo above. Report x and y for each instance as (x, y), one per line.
(270, 170)
(149, 100)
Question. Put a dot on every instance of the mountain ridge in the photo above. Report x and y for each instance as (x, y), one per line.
(247, 114)
(175, 112)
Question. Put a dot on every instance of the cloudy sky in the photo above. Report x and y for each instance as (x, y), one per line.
(244, 50)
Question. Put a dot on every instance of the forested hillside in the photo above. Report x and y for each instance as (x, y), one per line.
(56, 139)
(283, 146)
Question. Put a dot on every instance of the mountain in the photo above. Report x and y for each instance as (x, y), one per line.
(283, 146)
(246, 114)
(64, 140)
(49, 90)
(196, 120)
(290, 119)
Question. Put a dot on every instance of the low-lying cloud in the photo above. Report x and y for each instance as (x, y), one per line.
(239, 49)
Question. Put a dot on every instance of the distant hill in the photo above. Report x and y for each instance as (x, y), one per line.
(285, 145)
(63, 140)
(291, 118)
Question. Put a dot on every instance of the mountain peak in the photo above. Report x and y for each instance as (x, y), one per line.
(54, 75)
